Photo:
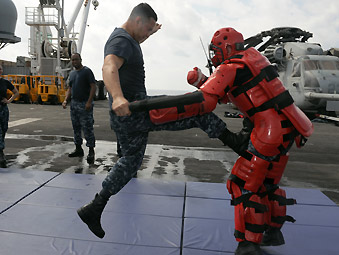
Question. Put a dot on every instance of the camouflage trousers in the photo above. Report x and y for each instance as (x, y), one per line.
(4, 117)
(132, 134)
(82, 120)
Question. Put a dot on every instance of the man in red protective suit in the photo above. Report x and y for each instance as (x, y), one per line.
(250, 82)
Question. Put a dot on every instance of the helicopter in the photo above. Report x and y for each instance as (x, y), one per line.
(309, 73)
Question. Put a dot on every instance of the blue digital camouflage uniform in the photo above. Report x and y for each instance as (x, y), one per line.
(82, 120)
(132, 133)
(79, 81)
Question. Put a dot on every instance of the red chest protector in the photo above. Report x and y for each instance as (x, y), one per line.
(265, 91)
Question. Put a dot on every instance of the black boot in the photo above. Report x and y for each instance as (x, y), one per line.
(91, 215)
(273, 237)
(90, 156)
(78, 152)
(248, 248)
(3, 162)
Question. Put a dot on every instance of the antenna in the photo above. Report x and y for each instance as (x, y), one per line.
(209, 62)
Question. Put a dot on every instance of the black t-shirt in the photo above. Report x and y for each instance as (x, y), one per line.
(4, 85)
(79, 81)
(132, 72)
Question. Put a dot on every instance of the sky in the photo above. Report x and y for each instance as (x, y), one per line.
(175, 49)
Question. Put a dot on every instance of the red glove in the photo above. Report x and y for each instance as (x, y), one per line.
(196, 78)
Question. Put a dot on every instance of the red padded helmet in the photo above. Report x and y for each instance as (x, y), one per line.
(223, 38)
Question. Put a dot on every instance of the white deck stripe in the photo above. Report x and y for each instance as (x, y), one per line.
(22, 122)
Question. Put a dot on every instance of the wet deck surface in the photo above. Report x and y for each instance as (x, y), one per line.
(160, 161)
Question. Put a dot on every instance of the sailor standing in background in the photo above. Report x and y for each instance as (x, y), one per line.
(4, 113)
(82, 90)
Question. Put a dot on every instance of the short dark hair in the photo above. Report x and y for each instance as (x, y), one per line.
(144, 10)
(77, 53)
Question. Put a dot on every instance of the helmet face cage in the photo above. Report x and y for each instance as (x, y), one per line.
(216, 55)
(221, 40)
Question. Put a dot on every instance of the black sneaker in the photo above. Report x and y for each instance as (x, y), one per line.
(248, 248)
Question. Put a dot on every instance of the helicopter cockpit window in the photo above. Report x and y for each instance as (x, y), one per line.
(321, 65)
(296, 70)
(329, 65)
(310, 65)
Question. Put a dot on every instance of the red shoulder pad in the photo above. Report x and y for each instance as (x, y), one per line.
(221, 78)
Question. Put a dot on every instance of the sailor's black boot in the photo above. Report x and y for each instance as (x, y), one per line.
(91, 215)
(248, 248)
(273, 237)
(3, 162)
(90, 156)
(78, 152)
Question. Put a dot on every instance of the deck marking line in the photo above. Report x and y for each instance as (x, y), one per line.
(22, 122)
